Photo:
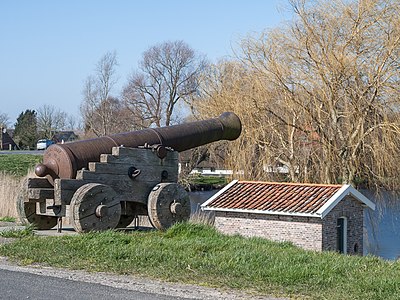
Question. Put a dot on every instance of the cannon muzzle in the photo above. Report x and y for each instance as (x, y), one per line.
(64, 160)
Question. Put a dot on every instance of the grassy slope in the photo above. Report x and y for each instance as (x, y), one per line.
(18, 164)
(13, 167)
(198, 254)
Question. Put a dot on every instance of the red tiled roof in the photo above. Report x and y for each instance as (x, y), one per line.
(274, 197)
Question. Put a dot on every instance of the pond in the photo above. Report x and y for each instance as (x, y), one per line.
(199, 197)
(382, 227)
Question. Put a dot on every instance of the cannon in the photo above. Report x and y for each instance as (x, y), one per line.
(107, 182)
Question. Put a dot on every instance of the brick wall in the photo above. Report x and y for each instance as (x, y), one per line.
(304, 232)
(354, 213)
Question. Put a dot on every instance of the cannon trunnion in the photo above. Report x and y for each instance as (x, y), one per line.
(121, 183)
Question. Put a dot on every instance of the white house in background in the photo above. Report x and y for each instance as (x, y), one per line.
(209, 171)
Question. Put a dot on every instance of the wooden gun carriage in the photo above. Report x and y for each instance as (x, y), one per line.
(107, 182)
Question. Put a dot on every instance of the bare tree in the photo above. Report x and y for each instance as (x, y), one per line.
(168, 75)
(50, 120)
(71, 123)
(117, 115)
(4, 120)
(98, 104)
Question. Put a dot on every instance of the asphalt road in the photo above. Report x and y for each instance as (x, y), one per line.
(33, 152)
(21, 285)
(39, 282)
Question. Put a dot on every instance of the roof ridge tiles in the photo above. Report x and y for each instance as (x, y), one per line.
(292, 183)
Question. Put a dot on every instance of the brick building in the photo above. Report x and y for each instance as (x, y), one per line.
(311, 216)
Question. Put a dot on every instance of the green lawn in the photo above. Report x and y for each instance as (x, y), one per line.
(18, 164)
(199, 179)
(198, 254)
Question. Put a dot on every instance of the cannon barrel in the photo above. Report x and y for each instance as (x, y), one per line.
(64, 160)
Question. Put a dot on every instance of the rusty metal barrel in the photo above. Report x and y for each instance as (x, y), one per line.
(64, 160)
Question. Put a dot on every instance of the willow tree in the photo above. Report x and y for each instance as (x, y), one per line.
(327, 94)
(337, 70)
(230, 86)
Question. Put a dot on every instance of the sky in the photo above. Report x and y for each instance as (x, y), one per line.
(48, 48)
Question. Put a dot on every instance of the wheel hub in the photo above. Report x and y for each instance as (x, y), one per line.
(176, 208)
(101, 211)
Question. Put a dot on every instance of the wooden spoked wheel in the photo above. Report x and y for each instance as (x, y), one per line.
(94, 208)
(27, 211)
(168, 203)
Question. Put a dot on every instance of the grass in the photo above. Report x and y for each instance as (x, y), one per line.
(7, 219)
(198, 254)
(199, 179)
(18, 164)
(18, 233)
